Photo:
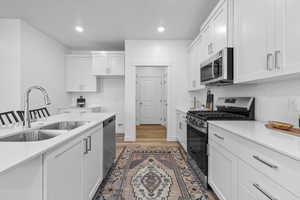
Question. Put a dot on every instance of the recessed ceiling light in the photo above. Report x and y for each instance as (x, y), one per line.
(79, 29)
(161, 29)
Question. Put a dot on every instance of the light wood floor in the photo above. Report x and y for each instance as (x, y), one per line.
(152, 135)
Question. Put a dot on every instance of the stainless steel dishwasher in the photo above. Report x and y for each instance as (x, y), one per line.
(109, 144)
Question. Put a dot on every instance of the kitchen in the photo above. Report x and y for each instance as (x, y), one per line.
(70, 112)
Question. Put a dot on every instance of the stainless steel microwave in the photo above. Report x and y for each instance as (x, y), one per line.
(218, 69)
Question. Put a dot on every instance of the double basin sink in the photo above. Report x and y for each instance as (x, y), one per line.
(44, 133)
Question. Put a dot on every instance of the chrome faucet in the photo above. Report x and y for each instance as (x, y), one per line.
(27, 120)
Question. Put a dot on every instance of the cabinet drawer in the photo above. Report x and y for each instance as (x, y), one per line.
(280, 168)
(253, 185)
(220, 136)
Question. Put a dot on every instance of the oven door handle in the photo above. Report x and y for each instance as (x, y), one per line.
(198, 129)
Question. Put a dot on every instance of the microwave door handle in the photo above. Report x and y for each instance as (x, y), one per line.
(212, 69)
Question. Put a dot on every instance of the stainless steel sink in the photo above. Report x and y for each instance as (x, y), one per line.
(65, 125)
(29, 136)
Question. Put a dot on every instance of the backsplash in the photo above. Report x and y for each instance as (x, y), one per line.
(110, 96)
(276, 100)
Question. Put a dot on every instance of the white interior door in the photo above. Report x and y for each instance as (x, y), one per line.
(150, 99)
(165, 99)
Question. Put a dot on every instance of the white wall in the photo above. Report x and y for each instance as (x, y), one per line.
(42, 63)
(169, 53)
(9, 64)
(110, 96)
(29, 57)
(275, 100)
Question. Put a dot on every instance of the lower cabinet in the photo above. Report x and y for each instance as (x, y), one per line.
(93, 163)
(222, 170)
(181, 129)
(254, 185)
(240, 169)
(24, 181)
(73, 172)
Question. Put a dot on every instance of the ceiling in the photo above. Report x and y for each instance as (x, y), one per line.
(108, 23)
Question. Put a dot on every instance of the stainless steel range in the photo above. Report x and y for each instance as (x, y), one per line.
(228, 108)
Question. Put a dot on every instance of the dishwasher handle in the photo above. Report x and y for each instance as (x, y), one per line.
(108, 121)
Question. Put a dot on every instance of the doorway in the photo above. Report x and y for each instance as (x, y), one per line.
(151, 103)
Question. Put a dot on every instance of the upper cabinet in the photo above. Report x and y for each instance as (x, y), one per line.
(215, 30)
(78, 74)
(215, 34)
(287, 47)
(108, 64)
(195, 57)
(266, 43)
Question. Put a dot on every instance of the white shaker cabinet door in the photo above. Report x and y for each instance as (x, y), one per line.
(63, 173)
(78, 74)
(288, 36)
(100, 65)
(117, 64)
(254, 39)
(72, 73)
(207, 43)
(93, 162)
(219, 28)
(222, 172)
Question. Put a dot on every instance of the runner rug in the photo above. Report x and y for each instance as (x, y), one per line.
(151, 173)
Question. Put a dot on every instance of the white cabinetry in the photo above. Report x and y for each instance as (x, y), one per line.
(215, 34)
(78, 73)
(64, 171)
(181, 129)
(266, 42)
(73, 171)
(222, 175)
(217, 30)
(219, 24)
(240, 169)
(287, 47)
(93, 163)
(254, 40)
(254, 185)
(195, 57)
(25, 181)
(108, 64)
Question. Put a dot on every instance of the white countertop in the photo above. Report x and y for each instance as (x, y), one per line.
(255, 131)
(182, 109)
(14, 153)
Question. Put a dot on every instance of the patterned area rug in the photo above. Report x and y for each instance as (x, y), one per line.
(151, 173)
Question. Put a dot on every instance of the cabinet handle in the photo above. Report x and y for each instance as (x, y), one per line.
(90, 143)
(180, 125)
(265, 162)
(85, 146)
(219, 137)
(264, 192)
(276, 59)
(269, 55)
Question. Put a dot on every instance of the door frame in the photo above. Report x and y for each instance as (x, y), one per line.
(163, 70)
(130, 102)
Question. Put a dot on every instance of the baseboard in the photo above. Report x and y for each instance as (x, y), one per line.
(172, 139)
(129, 139)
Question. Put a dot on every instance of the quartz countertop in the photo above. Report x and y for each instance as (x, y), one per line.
(14, 153)
(256, 132)
(182, 109)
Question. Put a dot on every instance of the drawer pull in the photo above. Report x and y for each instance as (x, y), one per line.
(265, 162)
(219, 137)
(264, 192)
